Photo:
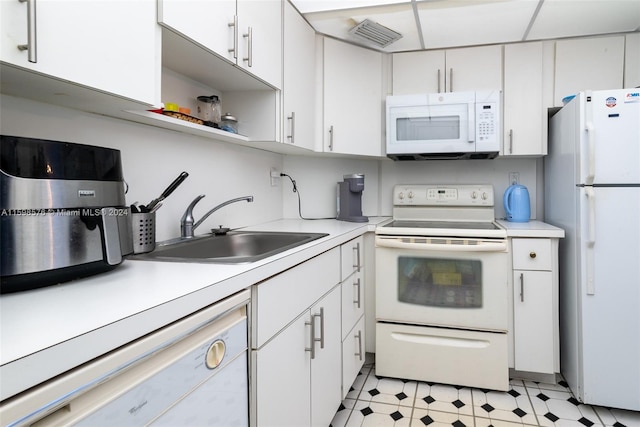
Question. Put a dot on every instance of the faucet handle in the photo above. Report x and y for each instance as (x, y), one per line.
(187, 220)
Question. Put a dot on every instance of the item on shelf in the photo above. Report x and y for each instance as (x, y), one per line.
(209, 108)
(229, 123)
(185, 110)
(182, 116)
(170, 106)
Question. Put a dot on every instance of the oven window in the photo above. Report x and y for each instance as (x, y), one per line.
(428, 128)
(440, 282)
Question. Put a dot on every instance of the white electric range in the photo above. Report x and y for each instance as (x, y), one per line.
(442, 287)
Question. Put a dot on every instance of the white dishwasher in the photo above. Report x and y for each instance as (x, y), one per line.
(192, 372)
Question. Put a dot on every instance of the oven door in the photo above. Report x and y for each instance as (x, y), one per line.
(439, 281)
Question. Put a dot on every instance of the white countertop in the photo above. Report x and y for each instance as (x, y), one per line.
(44, 332)
(531, 229)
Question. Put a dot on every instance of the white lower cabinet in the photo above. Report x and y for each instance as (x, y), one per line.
(535, 305)
(296, 372)
(353, 355)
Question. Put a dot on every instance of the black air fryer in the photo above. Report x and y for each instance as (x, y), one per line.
(63, 212)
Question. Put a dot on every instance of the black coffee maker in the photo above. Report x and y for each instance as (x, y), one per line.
(350, 198)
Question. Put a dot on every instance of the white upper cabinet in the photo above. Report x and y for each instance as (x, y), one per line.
(244, 32)
(418, 72)
(298, 91)
(475, 68)
(112, 47)
(588, 64)
(204, 22)
(352, 99)
(528, 92)
(452, 70)
(259, 41)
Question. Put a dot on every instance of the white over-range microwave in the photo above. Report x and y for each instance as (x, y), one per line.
(454, 125)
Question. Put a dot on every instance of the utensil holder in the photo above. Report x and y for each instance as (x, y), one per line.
(143, 227)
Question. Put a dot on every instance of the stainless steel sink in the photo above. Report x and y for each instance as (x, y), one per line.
(235, 247)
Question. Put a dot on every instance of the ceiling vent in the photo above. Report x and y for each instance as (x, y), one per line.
(375, 33)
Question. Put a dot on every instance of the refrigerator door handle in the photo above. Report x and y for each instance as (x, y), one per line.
(591, 142)
(591, 240)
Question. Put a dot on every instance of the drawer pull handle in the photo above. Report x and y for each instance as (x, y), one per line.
(532, 255)
(357, 285)
(359, 337)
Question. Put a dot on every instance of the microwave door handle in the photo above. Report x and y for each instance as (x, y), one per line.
(471, 112)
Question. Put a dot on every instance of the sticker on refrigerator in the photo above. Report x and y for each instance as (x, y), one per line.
(632, 97)
(611, 102)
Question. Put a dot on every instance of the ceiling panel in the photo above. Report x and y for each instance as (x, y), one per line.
(464, 23)
(456, 23)
(307, 6)
(567, 18)
(399, 18)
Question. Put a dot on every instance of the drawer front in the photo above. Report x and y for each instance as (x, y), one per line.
(352, 254)
(531, 254)
(352, 301)
(468, 358)
(279, 300)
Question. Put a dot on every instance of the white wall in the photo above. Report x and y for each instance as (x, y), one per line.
(317, 180)
(152, 158)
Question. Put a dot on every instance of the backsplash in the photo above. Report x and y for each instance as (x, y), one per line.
(152, 158)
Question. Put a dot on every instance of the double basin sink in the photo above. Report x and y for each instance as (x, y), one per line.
(235, 247)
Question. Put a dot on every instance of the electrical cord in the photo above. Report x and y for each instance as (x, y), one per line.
(295, 190)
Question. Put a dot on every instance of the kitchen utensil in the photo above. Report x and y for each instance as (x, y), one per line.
(229, 123)
(170, 189)
(516, 203)
(209, 108)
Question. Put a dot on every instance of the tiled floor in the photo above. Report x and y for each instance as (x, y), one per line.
(378, 401)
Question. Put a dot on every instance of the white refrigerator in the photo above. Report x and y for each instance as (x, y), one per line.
(592, 191)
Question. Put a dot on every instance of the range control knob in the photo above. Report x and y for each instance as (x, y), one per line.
(401, 195)
(411, 194)
(484, 196)
(474, 195)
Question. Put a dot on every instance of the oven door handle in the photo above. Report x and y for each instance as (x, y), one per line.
(450, 245)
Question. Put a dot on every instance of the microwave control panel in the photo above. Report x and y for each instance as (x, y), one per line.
(486, 122)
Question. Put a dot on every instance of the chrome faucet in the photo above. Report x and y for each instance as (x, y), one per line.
(187, 222)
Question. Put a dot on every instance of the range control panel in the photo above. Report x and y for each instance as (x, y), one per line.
(446, 195)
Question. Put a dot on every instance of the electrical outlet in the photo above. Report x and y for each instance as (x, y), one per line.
(514, 178)
(274, 175)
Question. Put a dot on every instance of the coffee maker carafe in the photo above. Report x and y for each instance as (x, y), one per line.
(350, 198)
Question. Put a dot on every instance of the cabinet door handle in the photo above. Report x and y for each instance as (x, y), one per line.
(32, 40)
(438, 80)
(450, 79)
(358, 299)
(312, 347)
(359, 337)
(510, 141)
(331, 138)
(521, 287)
(321, 316)
(292, 118)
(234, 24)
(249, 37)
(357, 264)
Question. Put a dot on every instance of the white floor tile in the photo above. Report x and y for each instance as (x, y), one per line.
(400, 403)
